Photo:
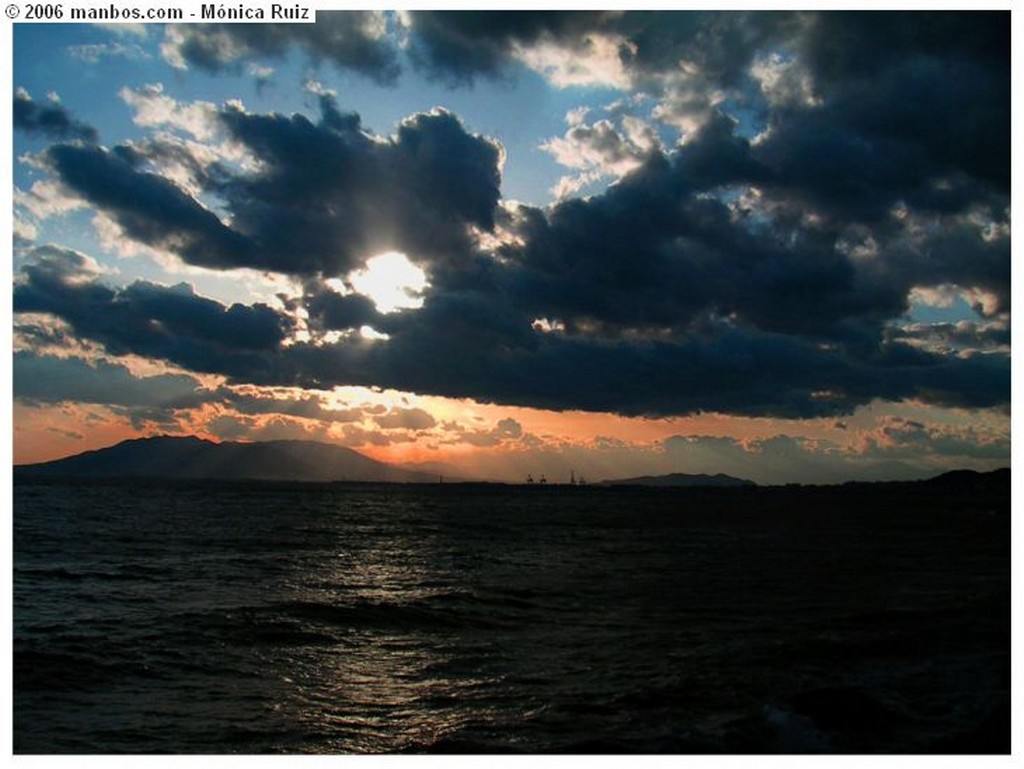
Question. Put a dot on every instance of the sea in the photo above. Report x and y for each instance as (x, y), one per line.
(251, 618)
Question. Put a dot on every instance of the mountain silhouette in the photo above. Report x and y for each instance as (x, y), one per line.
(681, 479)
(191, 457)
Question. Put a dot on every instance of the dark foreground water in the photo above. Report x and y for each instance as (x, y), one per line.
(204, 618)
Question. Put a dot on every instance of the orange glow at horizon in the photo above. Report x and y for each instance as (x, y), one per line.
(461, 436)
(50, 432)
(40, 435)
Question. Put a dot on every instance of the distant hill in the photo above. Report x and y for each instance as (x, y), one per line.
(972, 479)
(681, 479)
(170, 457)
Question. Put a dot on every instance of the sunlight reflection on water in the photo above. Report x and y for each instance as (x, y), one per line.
(325, 619)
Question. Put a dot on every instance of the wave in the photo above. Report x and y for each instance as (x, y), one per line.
(315, 623)
(130, 573)
(440, 612)
(40, 670)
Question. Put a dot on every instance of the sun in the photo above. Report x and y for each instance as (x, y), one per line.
(391, 281)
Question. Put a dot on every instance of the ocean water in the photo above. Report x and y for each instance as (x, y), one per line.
(232, 618)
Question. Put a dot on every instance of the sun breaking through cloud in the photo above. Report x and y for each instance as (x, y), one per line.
(774, 221)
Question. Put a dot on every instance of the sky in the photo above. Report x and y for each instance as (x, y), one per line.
(492, 244)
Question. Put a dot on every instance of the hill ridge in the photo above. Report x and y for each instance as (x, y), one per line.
(168, 456)
(681, 479)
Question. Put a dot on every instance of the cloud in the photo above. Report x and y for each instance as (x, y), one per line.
(24, 233)
(232, 427)
(47, 379)
(51, 119)
(663, 301)
(961, 337)
(46, 198)
(298, 404)
(72, 435)
(457, 46)
(692, 61)
(95, 52)
(353, 40)
(907, 438)
(784, 82)
(329, 196)
(188, 165)
(322, 199)
(354, 435)
(125, 30)
(784, 459)
(405, 419)
(154, 108)
(149, 208)
(763, 265)
(599, 150)
(165, 323)
(594, 60)
(806, 74)
(594, 48)
(506, 432)
(509, 428)
(890, 448)
(329, 310)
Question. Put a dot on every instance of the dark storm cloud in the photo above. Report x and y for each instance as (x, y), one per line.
(902, 98)
(171, 152)
(326, 197)
(51, 119)
(719, 45)
(329, 310)
(469, 346)
(169, 323)
(663, 249)
(458, 45)
(329, 195)
(48, 379)
(461, 350)
(655, 252)
(939, 79)
(911, 134)
(350, 40)
(748, 276)
(149, 208)
(843, 45)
